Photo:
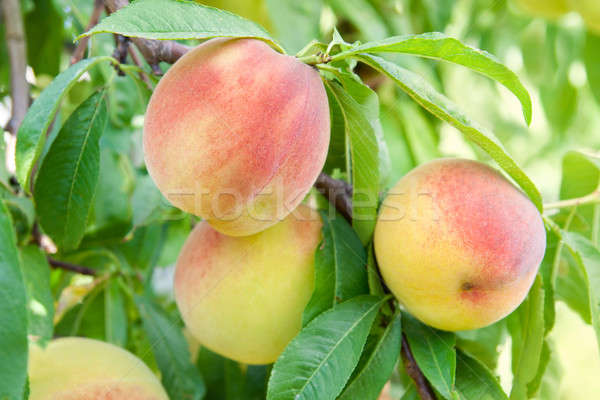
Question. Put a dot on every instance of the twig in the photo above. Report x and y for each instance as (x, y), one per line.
(142, 75)
(154, 51)
(338, 192)
(120, 53)
(412, 369)
(56, 264)
(593, 197)
(94, 18)
(15, 40)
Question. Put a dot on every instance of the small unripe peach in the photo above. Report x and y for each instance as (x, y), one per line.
(77, 368)
(458, 244)
(243, 297)
(237, 133)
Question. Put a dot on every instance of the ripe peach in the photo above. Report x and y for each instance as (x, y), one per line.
(544, 8)
(78, 368)
(237, 133)
(243, 297)
(458, 244)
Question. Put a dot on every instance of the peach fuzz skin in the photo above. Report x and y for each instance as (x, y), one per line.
(237, 133)
(458, 244)
(85, 369)
(243, 297)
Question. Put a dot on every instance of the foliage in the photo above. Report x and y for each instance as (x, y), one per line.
(81, 184)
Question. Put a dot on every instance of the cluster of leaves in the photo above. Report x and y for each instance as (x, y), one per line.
(82, 183)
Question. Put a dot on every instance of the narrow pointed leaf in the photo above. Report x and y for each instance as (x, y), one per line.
(435, 354)
(318, 362)
(377, 365)
(340, 272)
(440, 106)
(474, 381)
(40, 303)
(181, 379)
(68, 176)
(34, 129)
(439, 46)
(13, 329)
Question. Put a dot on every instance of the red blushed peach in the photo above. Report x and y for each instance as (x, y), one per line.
(243, 297)
(458, 244)
(84, 369)
(237, 133)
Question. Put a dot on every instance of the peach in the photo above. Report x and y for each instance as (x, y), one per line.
(243, 297)
(84, 369)
(237, 133)
(458, 244)
(544, 8)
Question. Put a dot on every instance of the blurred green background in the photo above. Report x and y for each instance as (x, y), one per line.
(552, 48)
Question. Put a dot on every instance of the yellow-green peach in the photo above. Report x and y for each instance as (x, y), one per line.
(551, 9)
(458, 244)
(590, 12)
(243, 297)
(76, 368)
(237, 133)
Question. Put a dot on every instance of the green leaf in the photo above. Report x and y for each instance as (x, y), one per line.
(440, 106)
(375, 285)
(559, 98)
(180, 377)
(434, 352)
(439, 46)
(369, 101)
(178, 19)
(587, 257)
(146, 201)
(365, 162)
(318, 362)
(548, 271)
(474, 381)
(115, 316)
(336, 155)
(68, 176)
(526, 326)
(411, 393)
(580, 177)
(13, 308)
(483, 343)
(40, 303)
(534, 386)
(592, 63)
(376, 365)
(363, 16)
(44, 34)
(572, 287)
(340, 272)
(37, 122)
(296, 22)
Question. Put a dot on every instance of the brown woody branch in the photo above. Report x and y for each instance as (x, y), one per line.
(412, 369)
(56, 264)
(338, 192)
(154, 51)
(15, 40)
(94, 18)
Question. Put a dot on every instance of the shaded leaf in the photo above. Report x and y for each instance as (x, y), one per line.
(13, 329)
(340, 272)
(296, 22)
(40, 303)
(115, 316)
(474, 381)
(180, 377)
(376, 364)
